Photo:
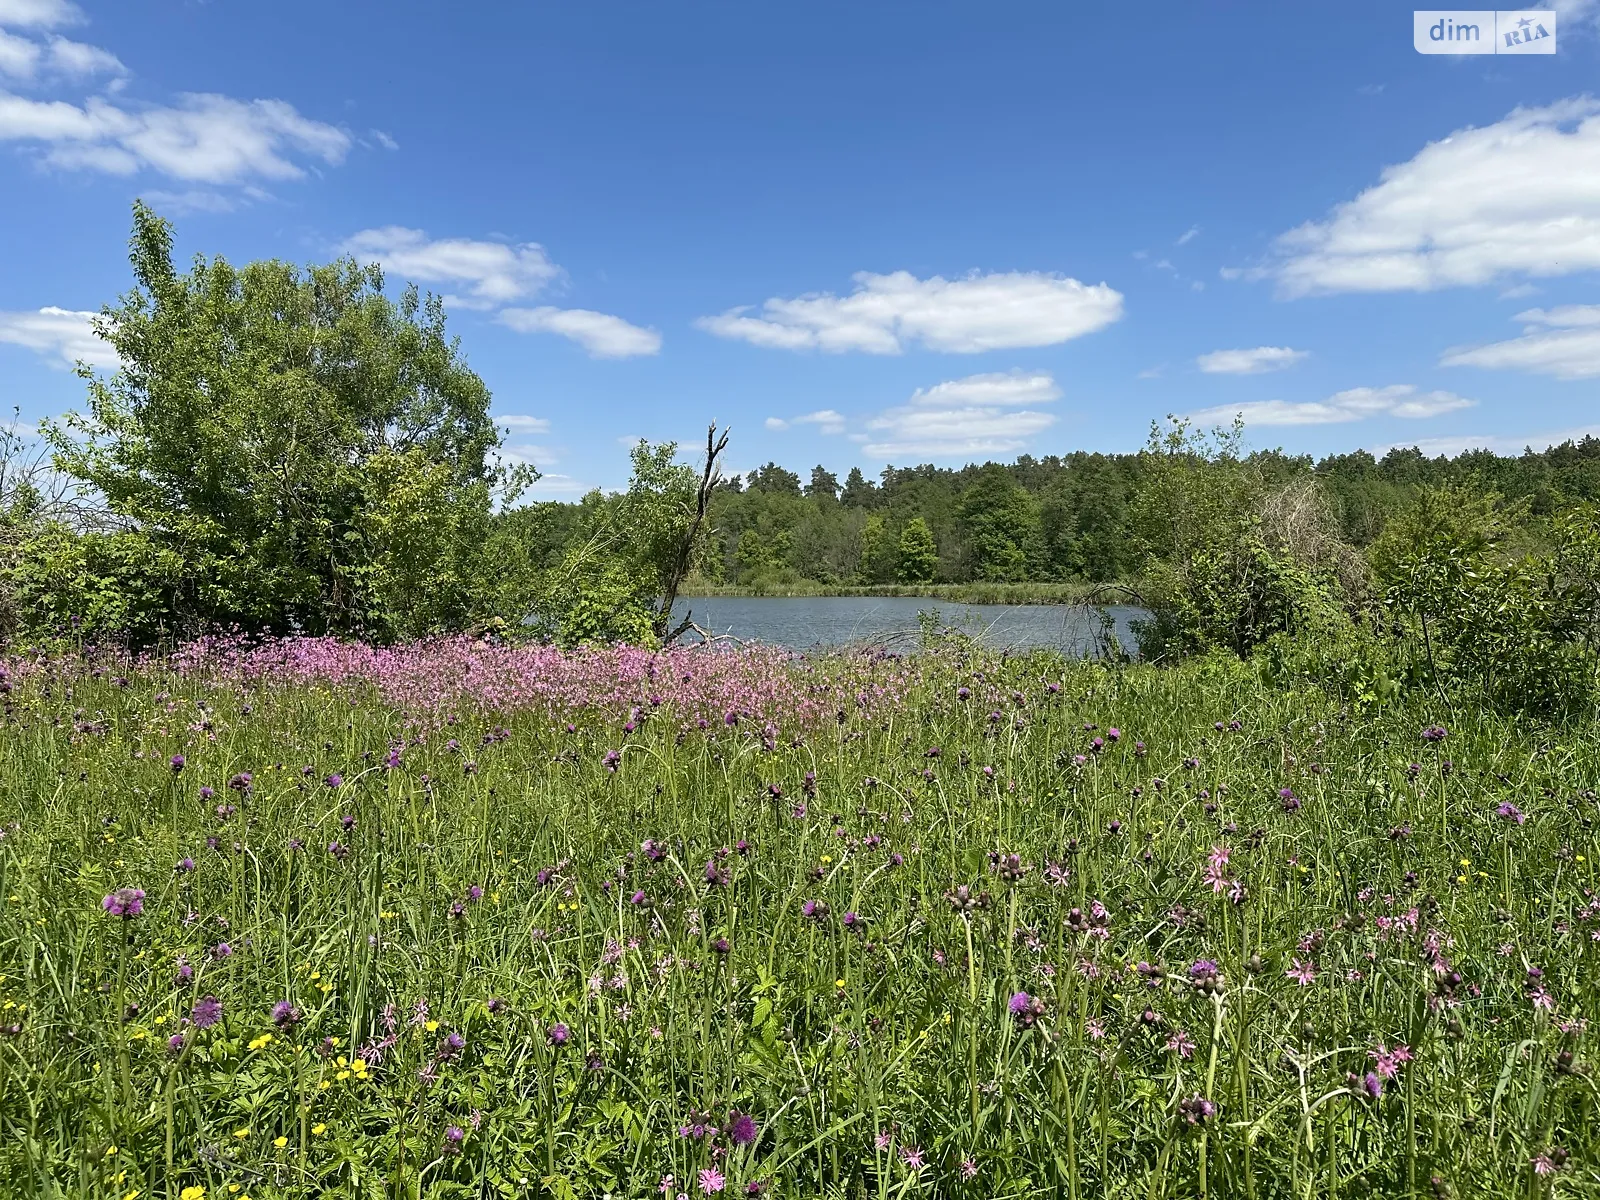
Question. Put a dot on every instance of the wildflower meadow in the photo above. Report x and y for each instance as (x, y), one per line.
(307, 918)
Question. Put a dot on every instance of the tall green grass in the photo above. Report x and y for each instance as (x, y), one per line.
(640, 971)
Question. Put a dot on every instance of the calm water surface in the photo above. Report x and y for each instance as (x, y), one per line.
(804, 622)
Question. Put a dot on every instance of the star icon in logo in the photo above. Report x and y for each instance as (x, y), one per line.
(1524, 23)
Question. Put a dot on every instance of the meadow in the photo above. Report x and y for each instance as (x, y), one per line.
(453, 919)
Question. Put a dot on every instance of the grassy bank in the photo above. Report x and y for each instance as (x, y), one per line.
(952, 593)
(466, 921)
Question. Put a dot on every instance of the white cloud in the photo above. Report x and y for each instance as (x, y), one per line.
(206, 138)
(79, 60)
(1520, 197)
(58, 333)
(965, 417)
(385, 140)
(1249, 362)
(1500, 443)
(558, 485)
(886, 313)
(1568, 11)
(601, 334)
(492, 273)
(1189, 235)
(38, 14)
(1564, 342)
(528, 453)
(203, 200)
(519, 423)
(997, 390)
(1354, 404)
(826, 421)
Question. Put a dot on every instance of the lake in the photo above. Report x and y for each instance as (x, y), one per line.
(806, 622)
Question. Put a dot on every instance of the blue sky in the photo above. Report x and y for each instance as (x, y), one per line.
(859, 232)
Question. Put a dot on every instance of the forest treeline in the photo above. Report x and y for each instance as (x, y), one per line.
(1054, 519)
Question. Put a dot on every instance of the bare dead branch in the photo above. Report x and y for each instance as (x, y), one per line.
(709, 477)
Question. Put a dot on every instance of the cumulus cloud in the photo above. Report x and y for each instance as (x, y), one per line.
(61, 335)
(552, 484)
(518, 423)
(826, 421)
(1563, 342)
(601, 334)
(1354, 404)
(887, 313)
(1499, 443)
(204, 138)
(493, 274)
(39, 14)
(24, 60)
(490, 273)
(1519, 198)
(981, 414)
(1249, 362)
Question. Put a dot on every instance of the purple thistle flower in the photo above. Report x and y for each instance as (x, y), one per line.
(284, 1014)
(454, 1135)
(1434, 733)
(126, 903)
(1511, 813)
(177, 763)
(334, 780)
(206, 1012)
(221, 950)
(558, 1034)
(742, 1129)
(185, 865)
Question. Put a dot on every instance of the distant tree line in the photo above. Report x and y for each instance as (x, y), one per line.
(1059, 518)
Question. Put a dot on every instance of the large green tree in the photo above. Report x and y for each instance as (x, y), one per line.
(1002, 525)
(919, 558)
(317, 455)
